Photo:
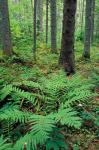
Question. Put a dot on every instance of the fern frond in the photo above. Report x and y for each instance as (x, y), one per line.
(13, 114)
(42, 126)
(80, 96)
(11, 90)
(4, 145)
(7, 128)
(31, 84)
(22, 94)
(68, 117)
(6, 90)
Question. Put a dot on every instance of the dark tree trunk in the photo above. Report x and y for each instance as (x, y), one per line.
(67, 48)
(53, 26)
(5, 27)
(88, 22)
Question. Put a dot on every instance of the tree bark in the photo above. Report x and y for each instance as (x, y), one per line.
(82, 18)
(53, 26)
(88, 22)
(40, 15)
(92, 27)
(35, 21)
(67, 58)
(47, 3)
(5, 27)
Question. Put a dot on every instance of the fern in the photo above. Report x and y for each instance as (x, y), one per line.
(11, 90)
(6, 90)
(56, 141)
(4, 145)
(42, 126)
(68, 117)
(74, 96)
(52, 93)
(7, 128)
(22, 94)
(95, 77)
(52, 101)
(13, 114)
(64, 91)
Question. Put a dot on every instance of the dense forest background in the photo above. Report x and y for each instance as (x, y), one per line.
(49, 74)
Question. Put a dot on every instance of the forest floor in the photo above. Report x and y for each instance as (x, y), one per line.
(47, 63)
(17, 69)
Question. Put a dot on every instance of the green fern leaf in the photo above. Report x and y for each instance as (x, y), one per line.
(13, 114)
(68, 117)
(4, 145)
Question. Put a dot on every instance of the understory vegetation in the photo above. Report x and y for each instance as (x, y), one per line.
(41, 108)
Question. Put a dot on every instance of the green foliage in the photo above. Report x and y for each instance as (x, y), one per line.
(65, 92)
(56, 141)
(95, 77)
(75, 147)
(16, 93)
(40, 132)
(44, 126)
(4, 145)
(68, 117)
(13, 114)
(91, 119)
(42, 107)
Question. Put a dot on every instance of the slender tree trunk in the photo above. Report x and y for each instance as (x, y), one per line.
(96, 25)
(40, 15)
(88, 22)
(35, 20)
(5, 26)
(53, 26)
(67, 48)
(47, 3)
(82, 17)
(92, 27)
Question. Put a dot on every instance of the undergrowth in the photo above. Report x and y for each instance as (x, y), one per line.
(43, 109)
(34, 113)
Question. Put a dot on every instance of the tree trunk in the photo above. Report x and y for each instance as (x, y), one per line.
(35, 20)
(67, 48)
(88, 22)
(53, 26)
(92, 27)
(82, 18)
(40, 15)
(5, 26)
(47, 2)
